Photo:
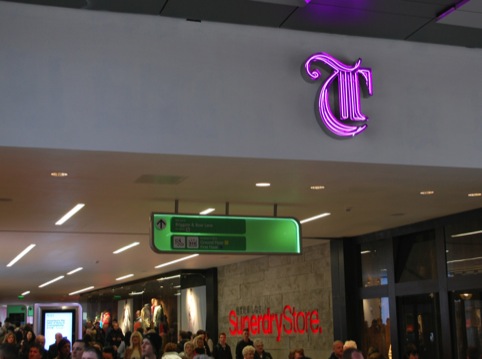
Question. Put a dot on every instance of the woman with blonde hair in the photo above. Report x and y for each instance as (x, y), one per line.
(248, 352)
(134, 351)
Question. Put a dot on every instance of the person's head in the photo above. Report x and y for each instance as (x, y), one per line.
(248, 352)
(40, 340)
(108, 353)
(29, 336)
(245, 334)
(349, 344)
(34, 352)
(58, 338)
(188, 348)
(10, 338)
(222, 338)
(170, 347)
(411, 353)
(298, 353)
(199, 341)
(338, 348)
(91, 353)
(115, 324)
(136, 339)
(258, 345)
(64, 348)
(151, 344)
(78, 349)
(352, 353)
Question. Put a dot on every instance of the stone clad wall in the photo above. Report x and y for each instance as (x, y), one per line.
(301, 281)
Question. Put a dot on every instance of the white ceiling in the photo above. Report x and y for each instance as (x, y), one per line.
(361, 198)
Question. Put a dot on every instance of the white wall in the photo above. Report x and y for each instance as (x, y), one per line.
(107, 81)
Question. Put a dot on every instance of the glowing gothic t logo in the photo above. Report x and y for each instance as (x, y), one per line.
(351, 121)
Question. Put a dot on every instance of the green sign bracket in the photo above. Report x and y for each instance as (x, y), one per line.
(185, 233)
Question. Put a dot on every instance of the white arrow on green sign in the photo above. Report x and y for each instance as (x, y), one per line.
(225, 234)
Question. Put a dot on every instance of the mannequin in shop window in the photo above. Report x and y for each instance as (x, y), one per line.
(157, 315)
(146, 317)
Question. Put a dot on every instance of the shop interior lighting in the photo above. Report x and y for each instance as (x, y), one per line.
(69, 214)
(475, 194)
(315, 217)
(317, 187)
(177, 294)
(20, 255)
(207, 211)
(51, 281)
(125, 276)
(176, 261)
(25, 293)
(126, 247)
(365, 252)
(466, 234)
(82, 290)
(464, 260)
(170, 277)
(75, 271)
(136, 293)
(263, 184)
(427, 193)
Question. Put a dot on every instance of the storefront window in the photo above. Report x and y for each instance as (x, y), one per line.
(419, 325)
(415, 257)
(468, 327)
(373, 263)
(376, 327)
(464, 251)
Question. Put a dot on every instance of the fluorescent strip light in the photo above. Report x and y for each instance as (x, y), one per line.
(24, 252)
(365, 252)
(69, 214)
(25, 293)
(315, 217)
(167, 278)
(50, 282)
(75, 271)
(263, 184)
(207, 211)
(176, 261)
(177, 294)
(126, 247)
(125, 277)
(466, 234)
(136, 293)
(82, 290)
(464, 260)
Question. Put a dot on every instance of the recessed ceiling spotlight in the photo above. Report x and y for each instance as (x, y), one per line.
(59, 174)
(317, 187)
(263, 184)
(427, 193)
(475, 194)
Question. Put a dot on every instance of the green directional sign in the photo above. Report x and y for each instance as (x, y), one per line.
(225, 234)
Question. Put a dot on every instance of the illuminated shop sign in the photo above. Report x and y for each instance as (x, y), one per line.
(289, 321)
(348, 121)
(225, 234)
